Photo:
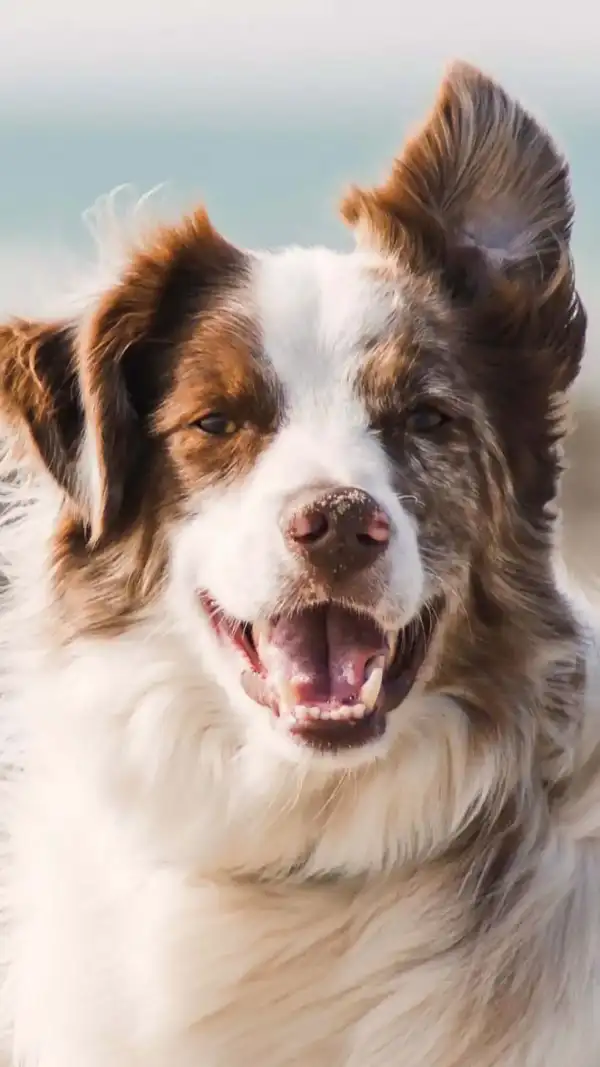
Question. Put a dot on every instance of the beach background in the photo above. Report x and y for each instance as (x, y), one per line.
(265, 110)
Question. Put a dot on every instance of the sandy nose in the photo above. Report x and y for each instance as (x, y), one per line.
(339, 526)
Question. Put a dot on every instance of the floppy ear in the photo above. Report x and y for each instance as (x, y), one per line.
(480, 175)
(78, 395)
(39, 396)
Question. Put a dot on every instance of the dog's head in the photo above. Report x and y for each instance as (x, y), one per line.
(314, 460)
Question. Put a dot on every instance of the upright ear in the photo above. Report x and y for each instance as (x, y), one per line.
(480, 175)
(78, 395)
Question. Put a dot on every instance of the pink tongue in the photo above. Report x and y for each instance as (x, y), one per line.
(323, 654)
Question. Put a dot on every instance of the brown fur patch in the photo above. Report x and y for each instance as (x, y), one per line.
(163, 348)
(219, 369)
(476, 215)
(128, 346)
(38, 391)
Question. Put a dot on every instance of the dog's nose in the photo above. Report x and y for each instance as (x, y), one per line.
(341, 530)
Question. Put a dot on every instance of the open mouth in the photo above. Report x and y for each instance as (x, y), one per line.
(328, 673)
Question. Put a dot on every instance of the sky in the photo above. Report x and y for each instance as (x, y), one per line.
(235, 53)
(148, 58)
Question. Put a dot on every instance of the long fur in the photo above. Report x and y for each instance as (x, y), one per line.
(171, 896)
(111, 728)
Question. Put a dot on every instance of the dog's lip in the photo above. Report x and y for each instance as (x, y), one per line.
(330, 725)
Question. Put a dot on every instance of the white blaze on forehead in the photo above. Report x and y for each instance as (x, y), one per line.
(316, 310)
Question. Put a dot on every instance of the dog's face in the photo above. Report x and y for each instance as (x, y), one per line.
(315, 457)
(331, 448)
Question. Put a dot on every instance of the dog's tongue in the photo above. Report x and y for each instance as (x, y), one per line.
(320, 656)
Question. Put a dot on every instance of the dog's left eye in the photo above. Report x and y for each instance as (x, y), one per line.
(426, 419)
(217, 424)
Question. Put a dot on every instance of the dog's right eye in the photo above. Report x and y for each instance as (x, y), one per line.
(217, 424)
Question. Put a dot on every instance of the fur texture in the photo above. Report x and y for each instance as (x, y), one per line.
(190, 877)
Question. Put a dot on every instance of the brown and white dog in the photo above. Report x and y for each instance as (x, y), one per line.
(308, 725)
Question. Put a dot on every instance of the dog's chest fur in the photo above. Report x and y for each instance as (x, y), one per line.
(168, 969)
(332, 976)
(214, 974)
(131, 955)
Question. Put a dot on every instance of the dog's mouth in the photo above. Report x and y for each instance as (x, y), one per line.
(328, 673)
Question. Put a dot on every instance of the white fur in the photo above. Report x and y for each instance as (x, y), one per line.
(137, 933)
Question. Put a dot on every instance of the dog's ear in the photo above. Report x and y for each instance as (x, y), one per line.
(480, 175)
(480, 197)
(39, 395)
(77, 395)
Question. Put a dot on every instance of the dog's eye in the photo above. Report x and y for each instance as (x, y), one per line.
(426, 419)
(217, 424)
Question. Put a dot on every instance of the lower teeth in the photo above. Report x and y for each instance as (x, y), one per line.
(368, 696)
(347, 713)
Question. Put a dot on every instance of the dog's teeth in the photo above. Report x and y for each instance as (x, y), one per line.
(372, 687)
(347, 713)
(392, 643)
(303, 715)
(358, 711)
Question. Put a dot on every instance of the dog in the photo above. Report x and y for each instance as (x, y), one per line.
(302, 713)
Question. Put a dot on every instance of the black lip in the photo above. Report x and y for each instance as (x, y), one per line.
(418, 635)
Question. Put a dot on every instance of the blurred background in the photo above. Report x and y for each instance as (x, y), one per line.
(265, 110)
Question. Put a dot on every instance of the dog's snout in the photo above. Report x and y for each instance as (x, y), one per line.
(339, 529)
